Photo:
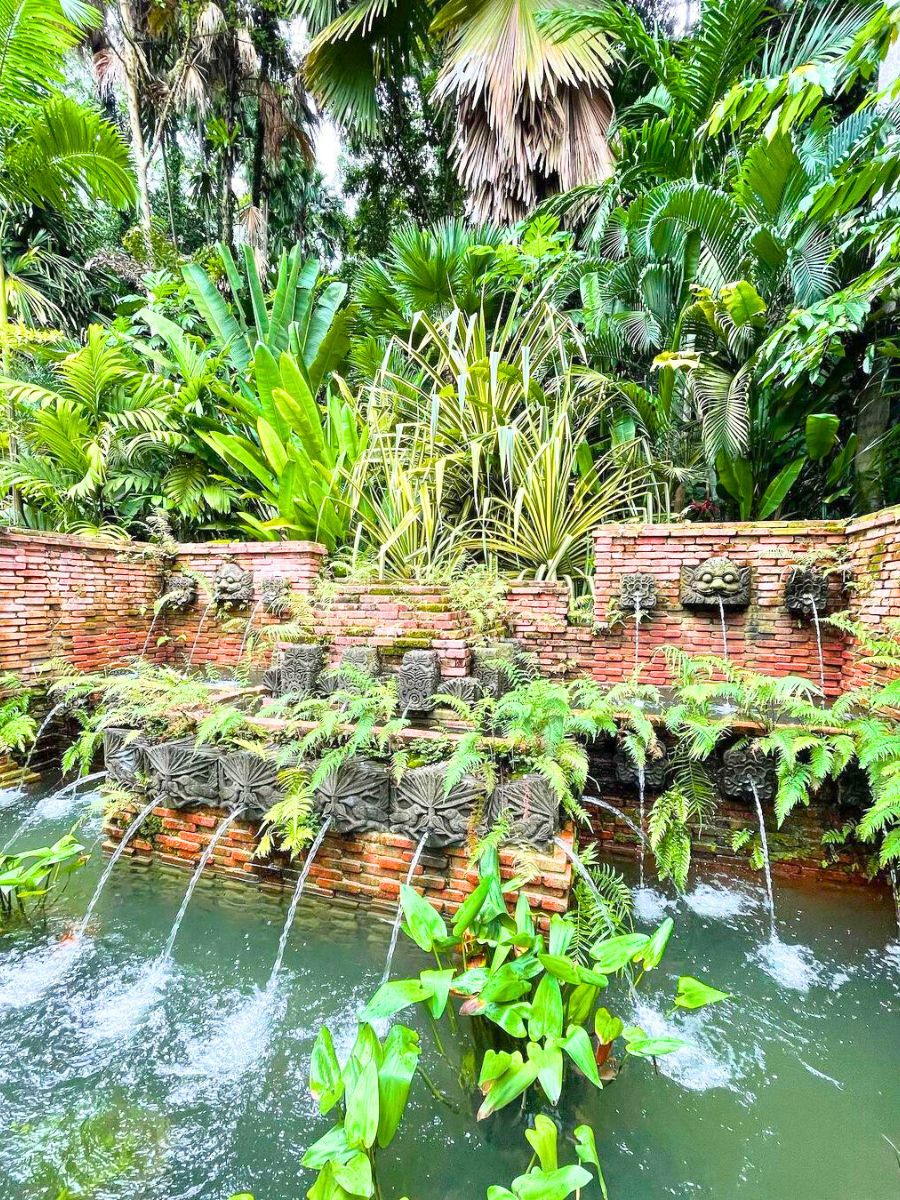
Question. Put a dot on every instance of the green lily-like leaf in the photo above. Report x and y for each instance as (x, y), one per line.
(438, 984)
(510, 1017)
(641, 1046)
(355, 1176)
(612, 954)
(569, 971)
(543, 1140)
(471, 907)
(424, 924)
(586, 1149)
(606, 1026)
(361, 1119)
(394, 995)
(581, 1003)
(549, 1062)
(495, 1064)
(652, 954)
(562, 931)
(502, 1091)
(578, 1046)
(325, 1080)
(394, 1077)
(551, 1185)
(692, 993)
(546, 1018)
(332, 1145)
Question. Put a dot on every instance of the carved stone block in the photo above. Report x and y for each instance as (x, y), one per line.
(806, 593)
(184, 775)
(745, 768)
(420, 806)
(365, 659)
(271, 680)
(418, 680)
(357, 796)
(466, 687)
(233, 586)
(124, 755)
(248, 781)
(718, 580)
(638, 593)
(179, 591)
(300, 668)
(627, 773)
(274, 593)
(530, 807)
(491, 666)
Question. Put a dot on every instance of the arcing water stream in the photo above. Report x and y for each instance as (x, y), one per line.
(398, 916)
(295, 900)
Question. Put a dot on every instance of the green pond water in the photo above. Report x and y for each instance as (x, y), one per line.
(118, 1082)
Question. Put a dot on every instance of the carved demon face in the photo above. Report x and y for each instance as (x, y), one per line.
(717, 579)
(233, 585)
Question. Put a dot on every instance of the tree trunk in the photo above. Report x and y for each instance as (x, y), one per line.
(132, 73)
(872, 422)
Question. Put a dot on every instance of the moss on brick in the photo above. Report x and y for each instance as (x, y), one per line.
(410, 642)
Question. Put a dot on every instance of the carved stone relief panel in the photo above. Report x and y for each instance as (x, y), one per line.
(531, 808)
(806, 593)
(466, 687)
(184, 775)
(655, 770)
(248, 781)
(357, 796)
(179, 591)
(420, 806)
(124, 755)
(638, 593)
(714, 581)
(274, 593)
(491, 666)
(233, 586)
(745, 768)
(300, 668)
(418, 680)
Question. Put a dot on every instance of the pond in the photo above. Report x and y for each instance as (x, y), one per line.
(121, 1081)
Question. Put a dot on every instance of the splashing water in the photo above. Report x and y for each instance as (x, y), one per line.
(764, 843)
(57, 708)
(249, 625)
(295, 900)
(717, 902)
(723, 627)
(49, 807)
(398, 916)
(195, 879)
(642, 780)
(114, 858)
(203, 617)
(818, 627)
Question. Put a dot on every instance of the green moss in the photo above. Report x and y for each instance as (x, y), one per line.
(433, 608)
(357, 631)
(410, 643)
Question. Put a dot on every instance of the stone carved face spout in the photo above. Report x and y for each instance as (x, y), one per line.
(714, 581)
(233, 586)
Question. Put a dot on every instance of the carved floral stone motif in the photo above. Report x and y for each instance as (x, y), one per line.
(806, 593)
(718, 580)
(233, 586)
(357, 796)
(421, 807)
(179, 591)
(301, 666)
(531, 808)
(745, 768)
(627, 773)
(489, 666)
(466, 687)
(274, 593)
(638, 593)
(248, 781)
(418, 680)
(124, 754)
(184, 775)
(271, 680)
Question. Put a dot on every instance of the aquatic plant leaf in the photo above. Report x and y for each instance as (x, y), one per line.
(438, 984)
(361, 1119)
(551, 1185)
(546, 1018)
(401, 1057)
(692, 993)
(549, 1062)
(652, 954)
(355, 1176)
(586, 1149)
(570, 971)
(582, 999)
(606, 1026)
(508, 1087)
(495, 1064)
(470, 907)
(424, 924)
(510, 1017)
(394, 995)
(578, 1046)
(325, 1080)
(652, 1047)
(331, 1145)
(524, 919)
(543, 1139)
(612, 954)
(561, 934)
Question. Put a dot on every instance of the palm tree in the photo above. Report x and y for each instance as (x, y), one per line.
(531, 113)
(52, 148)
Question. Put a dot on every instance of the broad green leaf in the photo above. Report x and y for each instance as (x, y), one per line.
(774, 495)
(652, 954)
(438, 984)
(549, 1062)
(570, 971)
(361, 1120)
(743, 302)
(495, 1064)
(551, 1185)
(546, 1018)
(394, 995)
(331, 1145)
(470, 907)
(401, 1056)
(424, 923)
(581, 1003)
(542, 1139)
(355, 1176)
(325, 1081)
(821, 434)
(562, 931)
(508, 1087)
(510, 1017)
(578, 1046)
(653, 1047)
(586, 1149)
(692, 993)
(612, 954)
(606, 1026)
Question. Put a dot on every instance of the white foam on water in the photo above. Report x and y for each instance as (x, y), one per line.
(119, 1011)
(718, 902)
(9, 796)
(791, 966)
(25, 978)
(821, 1075)
(698, 1067)
(237, 1043)
(650, 905)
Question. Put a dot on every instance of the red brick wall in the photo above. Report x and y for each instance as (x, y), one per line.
(72, 597)
(367, 867)
(221, 635)
(874, 545)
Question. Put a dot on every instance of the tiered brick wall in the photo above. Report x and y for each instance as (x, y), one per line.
(74, 598)
(366, 867)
